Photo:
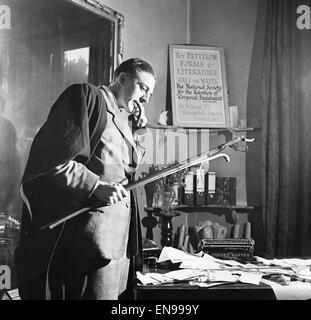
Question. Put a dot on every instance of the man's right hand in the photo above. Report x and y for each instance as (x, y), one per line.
(109, 192)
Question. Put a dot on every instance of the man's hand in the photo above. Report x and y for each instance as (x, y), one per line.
(110, 193)
(139, 115)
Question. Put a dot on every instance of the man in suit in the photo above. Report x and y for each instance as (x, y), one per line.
(83, 156)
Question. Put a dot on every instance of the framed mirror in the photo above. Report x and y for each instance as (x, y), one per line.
(52, 44)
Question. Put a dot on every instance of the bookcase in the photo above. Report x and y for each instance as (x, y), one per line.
(234, 215)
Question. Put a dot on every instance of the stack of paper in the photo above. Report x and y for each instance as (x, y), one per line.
(199, 261)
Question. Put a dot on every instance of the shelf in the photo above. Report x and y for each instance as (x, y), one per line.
(206, 207)
(211, 130)
(233, 130)
(231, 211)
(186, 208)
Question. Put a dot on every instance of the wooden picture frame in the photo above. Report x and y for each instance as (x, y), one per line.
(198, 86)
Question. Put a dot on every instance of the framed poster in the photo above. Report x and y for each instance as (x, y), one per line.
(198, 86)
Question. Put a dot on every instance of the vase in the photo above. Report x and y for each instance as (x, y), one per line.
(167, 198)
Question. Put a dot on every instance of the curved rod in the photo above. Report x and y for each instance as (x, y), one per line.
(207, 156)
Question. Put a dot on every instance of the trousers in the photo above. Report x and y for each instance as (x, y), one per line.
(82, 278)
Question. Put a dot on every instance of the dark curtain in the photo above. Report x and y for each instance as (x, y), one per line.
(101, 52)
(286, 183)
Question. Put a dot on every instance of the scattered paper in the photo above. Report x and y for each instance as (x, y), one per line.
(284, 262)
(184, 274)
(233, 263)
(294, 262)
(295, 290)
(302, 271)
(204, 270)
(266, 262)
(175, 255)
(207, 284)
(224, 276)
(189, 261)
(158, 276)
(203, 263)
(145, 279)
(249, 277)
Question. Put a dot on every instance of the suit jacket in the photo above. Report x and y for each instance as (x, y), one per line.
(72, 134)
(104, 231)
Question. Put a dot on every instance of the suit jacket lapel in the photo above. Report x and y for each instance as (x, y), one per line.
(120, 123)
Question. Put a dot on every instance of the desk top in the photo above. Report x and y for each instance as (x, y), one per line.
(186, 286)
(182, 290)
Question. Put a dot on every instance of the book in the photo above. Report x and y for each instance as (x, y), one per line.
(181, 236)
(210, 185)
(188, 197)
(199, 187)
(225, 192)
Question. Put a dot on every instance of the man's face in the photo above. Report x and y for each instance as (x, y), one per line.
(137, 88)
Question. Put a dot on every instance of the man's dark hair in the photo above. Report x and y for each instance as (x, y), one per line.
(133, 66)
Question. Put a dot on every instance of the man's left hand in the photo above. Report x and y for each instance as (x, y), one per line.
(139, 115)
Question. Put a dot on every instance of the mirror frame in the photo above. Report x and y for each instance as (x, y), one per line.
(117, 19)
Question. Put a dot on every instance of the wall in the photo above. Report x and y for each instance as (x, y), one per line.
(231, 25)
(149, 27)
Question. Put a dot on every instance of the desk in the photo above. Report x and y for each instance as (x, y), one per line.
(184, 291)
